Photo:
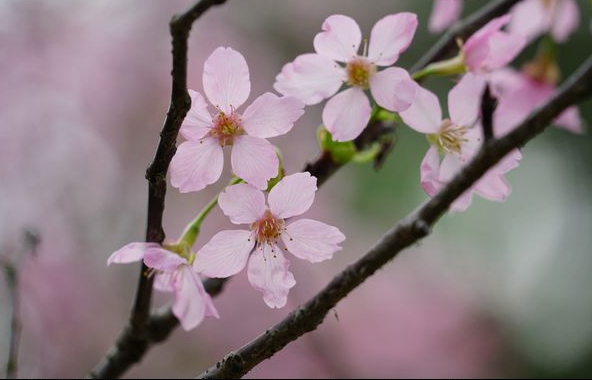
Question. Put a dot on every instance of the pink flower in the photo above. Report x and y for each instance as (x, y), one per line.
(490, 48)
(173, 274)
(521, 92)
(444, 14)
(314, 77)
(531, 18)
(199, 160)
(458, 139)
(227, 252)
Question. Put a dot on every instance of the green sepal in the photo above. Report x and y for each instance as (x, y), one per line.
(341, 152)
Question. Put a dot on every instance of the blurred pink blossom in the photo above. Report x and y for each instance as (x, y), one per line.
(521, 92)
(317, 76)
(559, 18)
(227, 252)
(174, 274)
(490, 48)
(199, 160)
(458, 139)
(444, 14)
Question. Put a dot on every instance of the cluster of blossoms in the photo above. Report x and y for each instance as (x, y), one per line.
(370, 82)
(530, 18)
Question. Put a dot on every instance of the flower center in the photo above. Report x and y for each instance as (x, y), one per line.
(359, 71)
(450, 138)
(549, 3)
(542, 71)
(226, 127)
(268, 229)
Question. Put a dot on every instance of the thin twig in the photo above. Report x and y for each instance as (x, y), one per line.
(448, 45)
(133, 341)
(11, 274)
(408, 231)
(488, 106)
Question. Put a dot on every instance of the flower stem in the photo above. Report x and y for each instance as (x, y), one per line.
(192, 230)
(450, 66)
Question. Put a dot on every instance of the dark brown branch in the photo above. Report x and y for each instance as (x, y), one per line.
(446, 46)
(133, 341)
(11, 274)
(488, 106)
(408, 231)
(11, 277)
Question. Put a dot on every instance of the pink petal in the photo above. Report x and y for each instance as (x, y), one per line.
(226, 79)
(196, 164)
(198, 121)
(393, 89)
(503, 48)
(570, 120)
(310, 78)
(340, 38)
(425, 114)
(346, 114)
(504, 80)
(293, 195)
(463, 202)
(430, 172)
(131, 252)
(444, 14)
(516, 105)
(493, 186)
(268, 273)
(565, 21)
(225, 254)
(390, 37)
(270, 115)
(464, 100)
(163, 260)
(164, 282)
(242, 203)
(312, 240)
(432, 183)
(451, 165)
(530, 18)
(254, 160)
(476, 49)
(191, 302)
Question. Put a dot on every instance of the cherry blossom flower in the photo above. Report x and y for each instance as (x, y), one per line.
(227, 252)
(457, 139)
(490, 48)
(174, 274)
(317, 76)
(444, 14)
(521, 92)
(198, 161)
(559, 18)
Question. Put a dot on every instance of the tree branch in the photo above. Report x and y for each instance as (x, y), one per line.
(488, 106)
(133, 341)
(11, 274)
(447, 44)
(405, 233)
